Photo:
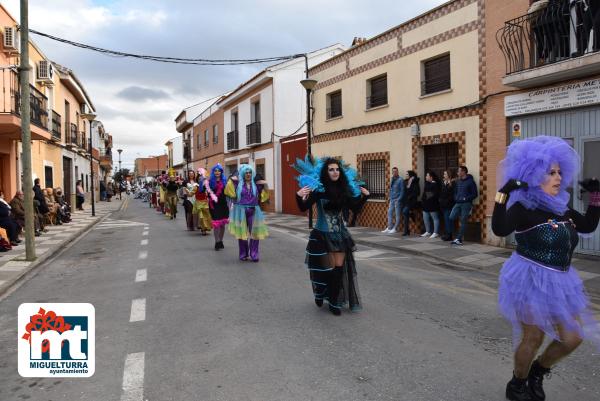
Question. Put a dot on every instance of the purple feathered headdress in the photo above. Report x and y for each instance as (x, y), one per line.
(530, 160)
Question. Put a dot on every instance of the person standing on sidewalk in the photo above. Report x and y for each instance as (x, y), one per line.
(329, 253)
(396, 194)
(465, 192)
(79, 195)
(410, 199)
(540, 293)
(447, 202)
(431, 205)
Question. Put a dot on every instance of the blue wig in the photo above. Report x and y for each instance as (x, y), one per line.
(241, 173)
(530, 160)
(213, 178)
(310, 174)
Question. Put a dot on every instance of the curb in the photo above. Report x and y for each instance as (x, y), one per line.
(439, 260)
(19, 279)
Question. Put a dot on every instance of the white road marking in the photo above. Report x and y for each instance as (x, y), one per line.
(141, 275)
(138, 310)
(133, 378)
(143, 255)
(145, 233)
(144, 242)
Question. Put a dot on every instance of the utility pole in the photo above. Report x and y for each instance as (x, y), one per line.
(26, 133)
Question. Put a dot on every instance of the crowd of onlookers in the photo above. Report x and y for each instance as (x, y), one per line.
(450, 199)
(49, 205)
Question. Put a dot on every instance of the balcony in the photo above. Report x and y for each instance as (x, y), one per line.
(56, 126)
(550, 45)
(106, 161)
(83, 142)
(233, 140)
(71, 134)
(10, 109)
(253, 134)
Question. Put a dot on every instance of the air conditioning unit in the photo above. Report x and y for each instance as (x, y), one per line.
(45, 72)
(10, 39)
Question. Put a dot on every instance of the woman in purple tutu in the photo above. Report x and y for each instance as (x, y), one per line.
(540, 293)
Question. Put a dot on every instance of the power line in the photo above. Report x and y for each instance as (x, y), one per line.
(165, 59)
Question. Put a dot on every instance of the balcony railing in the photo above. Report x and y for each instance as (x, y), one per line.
(253, 133)
(233, 140)
(376, 101)
(563, 29)
(83, 143)
(56, 126)
(12, 100)
(106, 160)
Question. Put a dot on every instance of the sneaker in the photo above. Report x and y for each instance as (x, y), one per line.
(392, 231)
(434, 235)
(425, 235)
(387, 230)
(457, 242)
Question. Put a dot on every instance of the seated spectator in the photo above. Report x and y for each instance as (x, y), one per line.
(63, 206)
(7, 222)
(18, 209)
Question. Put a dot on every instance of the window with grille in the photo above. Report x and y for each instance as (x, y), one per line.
(373, 174)
(377, 91)
(48, 179)
(334, 105)
(216, 133)
(260, 169)
(436, 75)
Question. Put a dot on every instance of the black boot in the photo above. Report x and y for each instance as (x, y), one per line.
(319, 302)
(335, 283)
(535, 380)
(221, 246)
(517, 390)
(217, 246)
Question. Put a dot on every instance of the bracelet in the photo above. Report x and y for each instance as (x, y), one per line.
(595, 199)
(501, 198)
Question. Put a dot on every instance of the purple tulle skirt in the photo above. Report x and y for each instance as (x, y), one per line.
(535, 295)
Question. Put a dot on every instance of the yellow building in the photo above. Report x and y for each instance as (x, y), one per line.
(409, 98)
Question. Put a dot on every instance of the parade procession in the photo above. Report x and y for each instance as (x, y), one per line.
(289, 201)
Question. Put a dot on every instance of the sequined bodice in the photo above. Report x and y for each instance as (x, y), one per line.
(329, 220)
(550, 244)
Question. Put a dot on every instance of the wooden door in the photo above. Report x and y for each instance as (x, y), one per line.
(441, 157)
(290, 150)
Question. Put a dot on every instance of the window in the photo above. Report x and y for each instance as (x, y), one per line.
(436, 75)
(255, 112)
(48, 180)
(373, 174)
(198, 143)
(234, 121)
(334, 105)
(206, 137)
(216, 133)
(87, 185)
(260, 169)
(377, 91)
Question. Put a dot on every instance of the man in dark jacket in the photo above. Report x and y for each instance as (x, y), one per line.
(465, 192)
(38, 195)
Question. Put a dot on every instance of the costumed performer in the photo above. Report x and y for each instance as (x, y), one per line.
(219, 210)
(540, 293)
(246, 220)
(333, 187)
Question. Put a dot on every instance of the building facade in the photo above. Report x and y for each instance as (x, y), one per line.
(410, 98)
(549, 87)
(148, 167)
(261, 111)
(208, 138)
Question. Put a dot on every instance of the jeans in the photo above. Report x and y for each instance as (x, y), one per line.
(463, 210)
(436, 221)
(447, 222)
(406, 213)
(394, 207)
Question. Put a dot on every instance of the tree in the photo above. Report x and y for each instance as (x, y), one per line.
(120, 175)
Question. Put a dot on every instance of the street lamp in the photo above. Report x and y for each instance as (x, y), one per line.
(91, 117)
(119, 150)
(309, 85)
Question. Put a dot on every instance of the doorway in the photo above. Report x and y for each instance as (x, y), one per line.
(67, 178)
(441, 157)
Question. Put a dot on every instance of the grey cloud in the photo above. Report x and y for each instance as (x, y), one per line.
(140, 94)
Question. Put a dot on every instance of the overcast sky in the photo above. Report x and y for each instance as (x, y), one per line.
(138, 100)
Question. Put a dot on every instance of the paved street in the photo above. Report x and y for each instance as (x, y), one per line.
(176, 320)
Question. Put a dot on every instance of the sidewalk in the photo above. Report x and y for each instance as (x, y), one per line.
(470, 255)
(13, 265)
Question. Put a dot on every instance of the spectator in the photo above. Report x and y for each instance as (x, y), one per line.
(410, 199)
(18, 209)
(447, 202)
(431, 205)
(110, 192)
(63, 206)
(395, 207)
(465, 193)
(38, 195)
(102, 190)
(79, 195)
(7, 222)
